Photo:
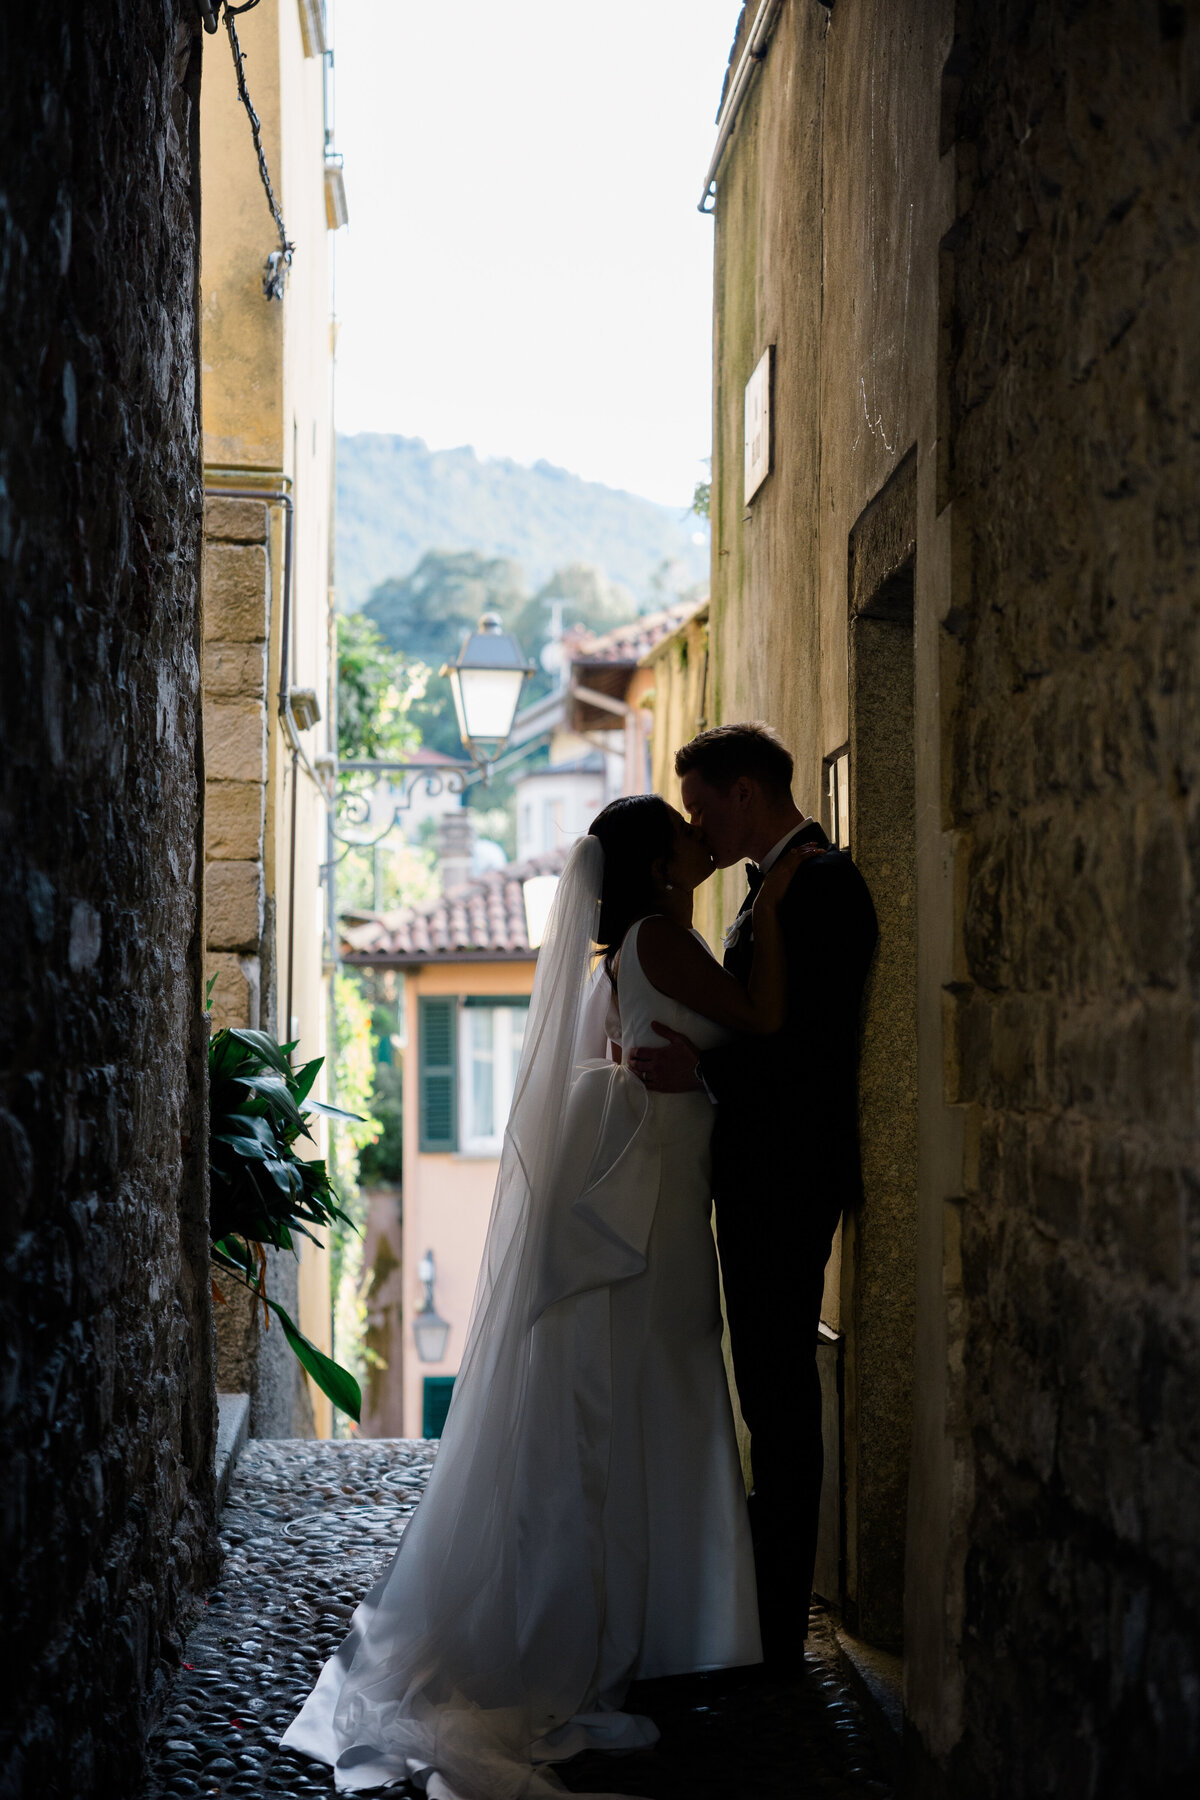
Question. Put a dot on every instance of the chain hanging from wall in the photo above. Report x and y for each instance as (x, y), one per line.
(279, 261)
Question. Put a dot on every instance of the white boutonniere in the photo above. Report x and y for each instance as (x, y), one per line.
(733, 932)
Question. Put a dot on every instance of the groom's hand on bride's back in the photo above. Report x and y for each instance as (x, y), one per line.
(666, 1070)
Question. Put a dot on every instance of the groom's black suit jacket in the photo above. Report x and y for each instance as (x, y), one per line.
(785, 1167)
(785, 1140)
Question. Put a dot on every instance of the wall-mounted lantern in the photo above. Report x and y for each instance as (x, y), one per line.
(486, 682)
(430, 1333)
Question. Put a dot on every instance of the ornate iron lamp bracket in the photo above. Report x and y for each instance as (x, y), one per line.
(355, 808)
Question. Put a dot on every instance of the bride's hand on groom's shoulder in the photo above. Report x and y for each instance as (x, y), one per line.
(776, 884)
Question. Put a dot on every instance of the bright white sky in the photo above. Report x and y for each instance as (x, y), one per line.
(525, 270)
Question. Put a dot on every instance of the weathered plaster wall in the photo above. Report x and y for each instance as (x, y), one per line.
(245, 417)
(106, 1440)
(830, 205)
(767, 284)
(1072, 467)
(678, 692)
(1003, 276)
(681, 668)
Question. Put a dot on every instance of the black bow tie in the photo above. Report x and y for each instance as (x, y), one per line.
(808, 834)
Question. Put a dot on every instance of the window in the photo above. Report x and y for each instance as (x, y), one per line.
(469, 1052)
(491, 1033)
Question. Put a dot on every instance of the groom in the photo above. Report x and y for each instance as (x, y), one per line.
(785, 1140)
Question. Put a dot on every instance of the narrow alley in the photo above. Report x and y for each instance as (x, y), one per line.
(309, 1525)
(770, 413)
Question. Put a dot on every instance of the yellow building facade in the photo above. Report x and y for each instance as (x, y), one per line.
(269, 673)
(674, 687)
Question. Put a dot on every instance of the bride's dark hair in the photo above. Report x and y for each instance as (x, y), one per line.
(635, 832)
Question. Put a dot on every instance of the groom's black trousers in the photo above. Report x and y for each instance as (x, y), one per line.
(773, 1303)
(785, 1167)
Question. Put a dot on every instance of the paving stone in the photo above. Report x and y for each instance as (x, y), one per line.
(309, 1526)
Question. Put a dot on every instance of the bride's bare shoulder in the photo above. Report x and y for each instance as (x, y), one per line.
(665, 947)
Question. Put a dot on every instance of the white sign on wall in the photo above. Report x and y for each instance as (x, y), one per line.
(758, 424)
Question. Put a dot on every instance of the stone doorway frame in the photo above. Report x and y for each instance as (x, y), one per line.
(878, 1249)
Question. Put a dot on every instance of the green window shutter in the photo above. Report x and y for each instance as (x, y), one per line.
(438, 1023)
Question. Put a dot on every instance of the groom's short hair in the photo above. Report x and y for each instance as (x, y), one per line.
(726, 752)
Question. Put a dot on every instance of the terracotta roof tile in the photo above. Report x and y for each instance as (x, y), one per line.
(629, 643)
(487, 914)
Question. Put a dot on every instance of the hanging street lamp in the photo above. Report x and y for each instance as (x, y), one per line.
(430, 1333)
(486, 682)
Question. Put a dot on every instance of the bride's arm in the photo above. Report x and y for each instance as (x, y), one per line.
(676, 965)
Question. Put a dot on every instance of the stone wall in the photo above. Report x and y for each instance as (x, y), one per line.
(106, 1439)
(971, 234)
(252, 1356)
(237, 599)
(1072, 465)
(878, 1252)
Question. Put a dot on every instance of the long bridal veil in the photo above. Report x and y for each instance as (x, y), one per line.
(479, 1651)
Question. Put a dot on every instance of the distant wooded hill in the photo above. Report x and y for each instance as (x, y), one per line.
(397, 499)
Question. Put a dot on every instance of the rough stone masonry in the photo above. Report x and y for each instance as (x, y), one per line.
(236, 623)
(1071, 382)
(107, 1410)
(238, 923)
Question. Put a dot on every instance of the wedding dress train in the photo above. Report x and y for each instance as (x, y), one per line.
(585, 1523)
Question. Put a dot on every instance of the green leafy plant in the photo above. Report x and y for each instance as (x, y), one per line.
(376, 689)
(383, 1160)
(351, 1045)
(263, 1192)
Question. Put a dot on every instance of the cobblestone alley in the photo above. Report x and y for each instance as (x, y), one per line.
(307, 1528)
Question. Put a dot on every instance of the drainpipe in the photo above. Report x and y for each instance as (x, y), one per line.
(752, 55)
(291, 945)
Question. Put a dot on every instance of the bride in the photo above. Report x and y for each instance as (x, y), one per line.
(585, 1522)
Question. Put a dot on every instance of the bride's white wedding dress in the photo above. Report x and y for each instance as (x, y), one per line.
(585, 1524)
